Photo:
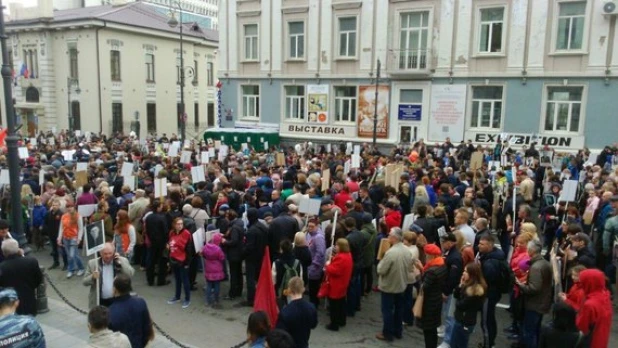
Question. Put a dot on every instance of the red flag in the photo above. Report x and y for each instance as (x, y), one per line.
(265, 299)
(2, 136)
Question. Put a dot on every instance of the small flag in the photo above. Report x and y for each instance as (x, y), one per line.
(3, 136)
(265, 299)
(24, 71)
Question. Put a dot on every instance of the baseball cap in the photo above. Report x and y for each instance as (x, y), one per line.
(326, 201)
(224, 207)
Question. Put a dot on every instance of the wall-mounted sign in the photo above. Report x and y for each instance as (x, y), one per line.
(317, 130)
(408, 112)
(366, 109)
(317, 97)
(562, 141)
(448, 108)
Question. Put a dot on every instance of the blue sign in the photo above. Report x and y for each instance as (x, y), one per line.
(410, 112)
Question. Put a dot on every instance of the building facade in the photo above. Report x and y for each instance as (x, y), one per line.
(464, 69)
(101, 68)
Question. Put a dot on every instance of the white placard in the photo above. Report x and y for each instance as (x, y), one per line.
(357, 149)
(244, 146)
(248, 139)
(86, 210)
(569, 191)
(176, 143)
(54, 130)
(355, 161)
(235, 139)
(348, 148)
(211, 152)
(217, 144)
(448, 108)
(197, 174)
(205, 157)
(329, 148)
(95, 237)
(187, 144)
(4, 177)
(157, 169)
(78, 133)
(266, 145)
(160, 187)
(199, 238)
(408, 220)
(127, 169)
(185, 157)
(309, 206)
(41, 177)
(346, 167)
(130, 181)
(172, 151)
(51, 141)
(23, 152)
(223, 150)
(68, 155)
(81, 166)
(33, 141)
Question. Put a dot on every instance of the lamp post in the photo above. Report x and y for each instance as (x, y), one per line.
(375, 111)
(173, 22)
(17, 230)
(70, 82)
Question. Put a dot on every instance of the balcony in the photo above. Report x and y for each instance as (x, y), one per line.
(408, 62)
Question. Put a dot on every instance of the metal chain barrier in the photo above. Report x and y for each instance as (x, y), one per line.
(156, 326)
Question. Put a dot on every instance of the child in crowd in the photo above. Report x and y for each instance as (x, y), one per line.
(213, 269)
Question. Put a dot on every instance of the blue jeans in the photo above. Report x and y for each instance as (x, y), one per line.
(408, 303)
(181, 276)
(531, 328)
(70, 248)
(449, 320)
(460, 335)
(354, 294)
(392, 315)
(212, 291)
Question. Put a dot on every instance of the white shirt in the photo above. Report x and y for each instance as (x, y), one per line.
(107, 278)
(467, 232)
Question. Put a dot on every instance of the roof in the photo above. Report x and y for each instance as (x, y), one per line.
(134, 14)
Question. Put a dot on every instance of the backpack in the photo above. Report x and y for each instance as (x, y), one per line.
(289, 273)
(507, 278)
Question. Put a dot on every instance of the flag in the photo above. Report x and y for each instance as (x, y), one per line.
(24, 71)
(265, 299)
(2, 136)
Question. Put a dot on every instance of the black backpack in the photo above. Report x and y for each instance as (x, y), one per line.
(507, 278)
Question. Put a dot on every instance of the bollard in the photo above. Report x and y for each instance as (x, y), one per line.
(41, 296)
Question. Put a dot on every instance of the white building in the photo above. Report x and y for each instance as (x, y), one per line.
(465, 69)
(101, 67)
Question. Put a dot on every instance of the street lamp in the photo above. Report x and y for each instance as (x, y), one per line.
(70, 82)
(173, 23)
(17, 229)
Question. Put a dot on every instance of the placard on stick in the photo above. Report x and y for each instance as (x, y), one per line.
(160, 187)
(309, 206)
(95, 237)
(476, 160)
(325, 179)
(280, 159)
(81, 178)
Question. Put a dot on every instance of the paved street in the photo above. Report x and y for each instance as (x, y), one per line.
(201, 327)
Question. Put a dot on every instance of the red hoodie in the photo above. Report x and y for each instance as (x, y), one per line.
(393, 219)
(576, 296)
(595, 315)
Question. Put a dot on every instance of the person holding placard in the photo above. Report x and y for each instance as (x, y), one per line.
(69, 237)
(101, 272)
(338, 271)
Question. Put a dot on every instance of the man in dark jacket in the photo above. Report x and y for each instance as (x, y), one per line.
(357, 243)
(537, 292)
(277, 203)
(284, 226)
(490, 258)
(428, 224)
(454, 265)
(264, 207)
(129, 314)
(21, 273)
(580, 242)
(157, 232)
(299, 317)
(482, 229)
(255, 243)
(233, 247)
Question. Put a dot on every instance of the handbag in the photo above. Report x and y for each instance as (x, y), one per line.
(324, 288)
(417, 310)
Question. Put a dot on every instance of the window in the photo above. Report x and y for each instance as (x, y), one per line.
(411, 96)
(117, 123)
(210, 109)
(486, 107)
(210, 74)
(115, 65)
(345, 104)
(571, 18)
(32, 63)
(297, 39)
(491, 24)
(251, 101)
(413, 40)
(347, 37)
(150, 61)
(76, 116)
(295, 102)
(563, 109)
(196, 115)
(195, 72)
(73, 68)
(251, 41)
(151, 117)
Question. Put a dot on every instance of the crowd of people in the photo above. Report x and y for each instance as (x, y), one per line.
(441, 236)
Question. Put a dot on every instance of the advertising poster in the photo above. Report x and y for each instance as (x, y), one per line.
(366, 109)
(317, 96)
(448, 109)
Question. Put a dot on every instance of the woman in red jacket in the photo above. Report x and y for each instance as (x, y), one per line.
(392, 216)
(576, 296)
(177, 245)
(339, 271)
(594, 318)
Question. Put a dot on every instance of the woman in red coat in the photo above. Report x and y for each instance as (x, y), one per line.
(576, 296)
(339, 271)
(594, 318)
(392, 216)
(177, 245)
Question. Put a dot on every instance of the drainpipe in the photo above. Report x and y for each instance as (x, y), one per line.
(99, 77)
(454, 40)
(610, 49)
(317, 74)
(524, 71)
(270, 52)
(373, 38)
